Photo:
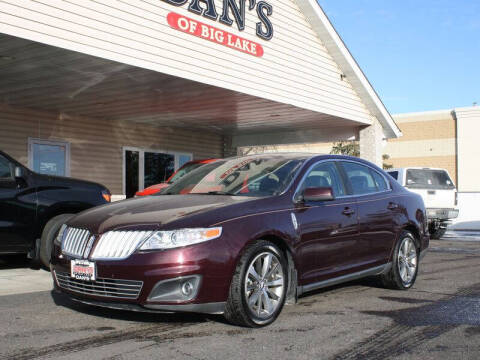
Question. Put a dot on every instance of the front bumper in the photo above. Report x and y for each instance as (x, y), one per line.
(207, 308)
(132, 283)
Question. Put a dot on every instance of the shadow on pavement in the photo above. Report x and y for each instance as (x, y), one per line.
(17, 262)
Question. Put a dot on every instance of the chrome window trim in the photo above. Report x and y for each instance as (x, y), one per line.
(302, 180)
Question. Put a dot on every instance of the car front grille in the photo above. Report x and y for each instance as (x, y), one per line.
(77, 242)
(109, 288)
(117, 245)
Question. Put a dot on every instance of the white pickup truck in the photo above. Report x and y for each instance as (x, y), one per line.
(438, 192)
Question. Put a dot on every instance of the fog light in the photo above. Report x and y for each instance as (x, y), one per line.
(187, 288)
(180, 289)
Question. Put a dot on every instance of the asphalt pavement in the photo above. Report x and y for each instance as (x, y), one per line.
(439, 318)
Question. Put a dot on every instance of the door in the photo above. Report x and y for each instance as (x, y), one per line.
(17, 211)
(376, 212)
(328, 230)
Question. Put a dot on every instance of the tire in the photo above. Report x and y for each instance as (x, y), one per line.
(402, 275)
(437, 234)
(266, 302)
(49, 233)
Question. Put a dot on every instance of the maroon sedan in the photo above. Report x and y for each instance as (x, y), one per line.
(242, 236)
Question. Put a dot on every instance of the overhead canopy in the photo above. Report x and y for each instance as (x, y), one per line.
(128, 60)
(44, 77)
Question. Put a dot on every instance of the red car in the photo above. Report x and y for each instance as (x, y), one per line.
(183, 170)
(247, 234)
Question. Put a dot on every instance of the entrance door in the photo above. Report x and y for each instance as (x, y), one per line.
(144, 168)
(158, 167)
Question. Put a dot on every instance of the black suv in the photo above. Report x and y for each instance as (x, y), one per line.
(33, 207)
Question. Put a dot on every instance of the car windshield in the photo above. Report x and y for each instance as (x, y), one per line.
(250, 176)
(429, 179)
(185, 169)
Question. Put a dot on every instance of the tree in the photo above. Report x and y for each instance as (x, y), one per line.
(385, 165)
(350, 148)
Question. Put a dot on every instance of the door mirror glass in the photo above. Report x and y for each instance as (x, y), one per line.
(19, 173)
(318, 194)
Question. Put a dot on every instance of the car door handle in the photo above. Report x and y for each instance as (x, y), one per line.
(348, 211)
(392, 206)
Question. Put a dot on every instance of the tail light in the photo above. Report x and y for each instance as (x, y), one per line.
(106, 195)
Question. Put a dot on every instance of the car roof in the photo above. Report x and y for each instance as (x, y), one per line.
(414, 168)
(304, 156)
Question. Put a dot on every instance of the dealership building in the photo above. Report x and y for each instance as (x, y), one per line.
(124, 92)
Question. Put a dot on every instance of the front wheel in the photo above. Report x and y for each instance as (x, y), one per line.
(403, 273)
(49, 233)
(259, 285)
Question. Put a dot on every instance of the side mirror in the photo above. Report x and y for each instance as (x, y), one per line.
(19, 173)
(318, 194)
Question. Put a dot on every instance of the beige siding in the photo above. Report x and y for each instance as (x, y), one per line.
(468, 120)
(429, 140)
(96, 144)
(421, 148)
(295, 69)
(423, 116)
(430, 129)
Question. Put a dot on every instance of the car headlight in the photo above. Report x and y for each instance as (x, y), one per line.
(59, 237)
(178, 238)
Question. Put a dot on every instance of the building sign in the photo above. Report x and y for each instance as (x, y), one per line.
(235, 8)
(213, 34)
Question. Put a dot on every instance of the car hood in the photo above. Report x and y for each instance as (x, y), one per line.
(157, 212)
(65, 182)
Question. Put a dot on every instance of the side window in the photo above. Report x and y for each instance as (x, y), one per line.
(6, 171)
(360, 178)
(324, 175)
(379, 181)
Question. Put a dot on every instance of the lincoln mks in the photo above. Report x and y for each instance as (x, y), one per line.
(243, 236)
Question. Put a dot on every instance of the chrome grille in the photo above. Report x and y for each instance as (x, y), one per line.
(112, 288)
(75, 242)
(118, 244)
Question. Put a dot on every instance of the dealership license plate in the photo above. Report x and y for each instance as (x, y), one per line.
(83, 270)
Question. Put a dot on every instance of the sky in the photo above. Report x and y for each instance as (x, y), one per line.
(418, 55)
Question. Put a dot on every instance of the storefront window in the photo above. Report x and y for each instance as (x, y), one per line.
(49, 157)
(183, 158)
(158, 168)
(144, 168)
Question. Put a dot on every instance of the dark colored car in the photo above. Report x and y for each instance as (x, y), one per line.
(33, 207)
(182, 171)
(247, 234)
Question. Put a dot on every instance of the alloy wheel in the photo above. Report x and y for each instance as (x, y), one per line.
(407, 260)
(264, 285)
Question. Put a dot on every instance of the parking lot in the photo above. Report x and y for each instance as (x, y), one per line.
(438, 319)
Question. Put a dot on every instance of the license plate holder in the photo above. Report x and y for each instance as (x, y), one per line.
(82, 270)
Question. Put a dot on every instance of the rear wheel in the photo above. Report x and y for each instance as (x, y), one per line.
(49, 233)
(403, 273)
(259, 285)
